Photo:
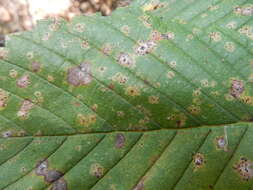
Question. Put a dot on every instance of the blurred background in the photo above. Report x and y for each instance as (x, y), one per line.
(19, 15)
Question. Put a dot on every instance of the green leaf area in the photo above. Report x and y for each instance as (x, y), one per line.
(157, 96)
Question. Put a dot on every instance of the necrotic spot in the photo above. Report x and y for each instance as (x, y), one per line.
(80, 75)
(120, 140)
(237, 88)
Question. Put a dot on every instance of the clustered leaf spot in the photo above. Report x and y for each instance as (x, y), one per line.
(80, 75)
(145, 21)
(25, 108)
(125, 29)
(237, 88)
(156, 35)
(30, 55)
(120, 114)
(244, 10)
(215, 36)
(46, 37)
(6, 134)
(120, 78)
(244, 168)
(247, 30)
(35, 66)
(170, 74)
(50, 78)
(79, 27)
(153, 99)
(172, 64)
(85, 44)
(86, 120)
(198, 161)
(247, 100)
(51, 176)
(4, 96)
(197, 92)
(229, 46)
(204, 83)
(39, 97)
(194, 109)
(126, 60)
(231, 25)
(3, 53)
(120, 140)
(153, 6)
(97, 170)
(24, 81)
(145, 47)
(107, 49)
(133, 91)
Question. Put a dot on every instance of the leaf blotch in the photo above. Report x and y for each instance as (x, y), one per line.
(80, 75)
(120, 140)
(244, 168)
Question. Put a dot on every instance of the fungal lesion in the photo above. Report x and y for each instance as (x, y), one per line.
(80, 75)
(244, 167)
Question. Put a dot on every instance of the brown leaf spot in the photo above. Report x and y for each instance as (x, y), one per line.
(132, 91)
(4, 96)
(120, 140)
(24, 81)
(26, 106)
(244, 168)
(97, 170)
(80, 75)
(35, 66)
(237, 88)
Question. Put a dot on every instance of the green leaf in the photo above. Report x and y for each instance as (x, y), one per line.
(156, 96)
